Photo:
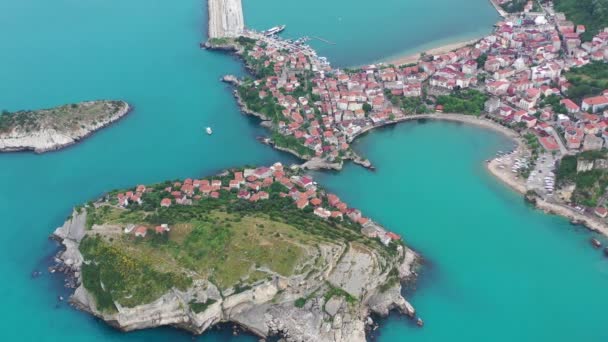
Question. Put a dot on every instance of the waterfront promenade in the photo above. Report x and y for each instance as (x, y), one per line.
(225, 18)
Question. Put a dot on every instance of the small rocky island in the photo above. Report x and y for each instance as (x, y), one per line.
(55, 128)
(265, 248)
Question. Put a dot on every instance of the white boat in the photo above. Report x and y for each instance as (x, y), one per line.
(208, 130)
(274, 30)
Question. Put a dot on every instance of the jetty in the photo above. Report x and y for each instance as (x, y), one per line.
(225, 18)
(323, 40)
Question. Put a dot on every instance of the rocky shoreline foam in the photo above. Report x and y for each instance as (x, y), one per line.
(50, 139)
(257, 309)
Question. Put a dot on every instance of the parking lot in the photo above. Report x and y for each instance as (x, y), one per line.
(542, 178)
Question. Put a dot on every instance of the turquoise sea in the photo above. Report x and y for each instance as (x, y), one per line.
(495, 268)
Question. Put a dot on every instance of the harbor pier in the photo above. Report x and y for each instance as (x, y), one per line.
(225, 18)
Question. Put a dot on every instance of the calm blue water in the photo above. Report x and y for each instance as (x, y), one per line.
(487, 252)
(496, 269)
(365, 32)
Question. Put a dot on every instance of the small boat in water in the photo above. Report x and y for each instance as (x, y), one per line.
(419, 322)
(208, 130)
(274, 30)
(596, 243)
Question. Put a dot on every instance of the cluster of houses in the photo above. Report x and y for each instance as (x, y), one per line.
(142, 230)
(337, 105)
(526, 58)
(522, 62)
(253, 185)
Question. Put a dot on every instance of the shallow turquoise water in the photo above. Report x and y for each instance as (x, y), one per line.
(488, 254)
(496, 269)
(365, 32)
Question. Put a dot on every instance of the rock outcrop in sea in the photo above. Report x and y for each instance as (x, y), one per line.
(55, 128)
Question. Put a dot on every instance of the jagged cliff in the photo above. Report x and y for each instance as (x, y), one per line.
(299, 307)
(52, 129)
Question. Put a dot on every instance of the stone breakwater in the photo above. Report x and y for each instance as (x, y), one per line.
(225, 18)
(267, 309)
(48, 139)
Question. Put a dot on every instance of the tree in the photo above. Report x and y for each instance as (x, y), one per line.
(481, 60)
(367, 108)
(591, 13)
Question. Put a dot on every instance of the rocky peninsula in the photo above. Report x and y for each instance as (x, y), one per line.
(55, 128)
(264, 248)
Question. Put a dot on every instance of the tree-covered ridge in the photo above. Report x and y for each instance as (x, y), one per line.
(590, 184)
(588, 80)
(112, 275)
(468, 101)
(591, 13)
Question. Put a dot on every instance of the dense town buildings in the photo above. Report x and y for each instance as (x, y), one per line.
(519, 66)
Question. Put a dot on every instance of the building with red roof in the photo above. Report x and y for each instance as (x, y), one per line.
(165, 202)
(140, 231)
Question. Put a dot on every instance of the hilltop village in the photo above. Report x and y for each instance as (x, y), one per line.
(251, 185)
(529, 75)
(265, 248)
(515, 69)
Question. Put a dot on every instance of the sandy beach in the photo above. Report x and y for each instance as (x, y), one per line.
(410, 59)
(504, 173)
(468, 119)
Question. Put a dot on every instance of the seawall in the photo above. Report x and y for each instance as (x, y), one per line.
(225, 18)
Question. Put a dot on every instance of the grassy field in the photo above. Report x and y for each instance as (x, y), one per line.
(230, 242)
(114, 275)
(227, 249)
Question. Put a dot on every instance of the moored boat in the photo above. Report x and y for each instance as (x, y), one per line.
(208, 130)
(274, 30)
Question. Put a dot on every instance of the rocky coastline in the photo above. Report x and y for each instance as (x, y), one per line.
(266, 309)
(49, 138)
